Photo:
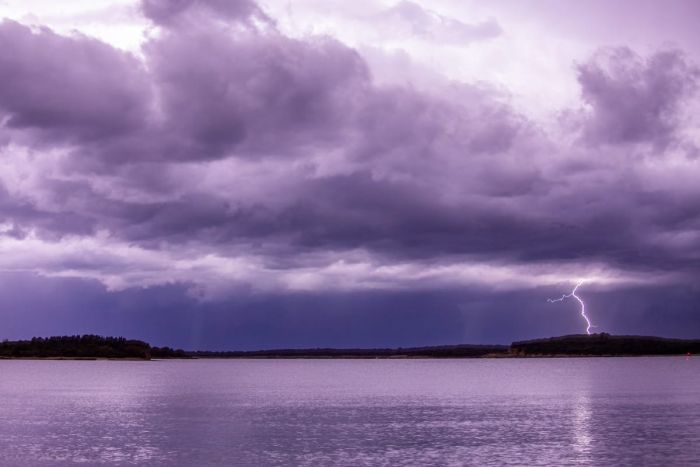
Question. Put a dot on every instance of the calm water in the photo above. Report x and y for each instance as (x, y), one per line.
(351, 412)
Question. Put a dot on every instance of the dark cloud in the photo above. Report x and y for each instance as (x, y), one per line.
(254, 94)
(635, 99)
(23, 215)
(71, 88)
(257, 95)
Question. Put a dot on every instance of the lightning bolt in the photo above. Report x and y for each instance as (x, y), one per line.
(583, 306)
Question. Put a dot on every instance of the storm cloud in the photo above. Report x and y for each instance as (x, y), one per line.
(227, 157)
(635, 99)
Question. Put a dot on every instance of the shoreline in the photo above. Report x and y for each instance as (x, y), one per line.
(92, 347)
(499, 357)
(313, 357)
(129, 359)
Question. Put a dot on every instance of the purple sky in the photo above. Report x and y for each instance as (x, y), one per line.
(230, 174)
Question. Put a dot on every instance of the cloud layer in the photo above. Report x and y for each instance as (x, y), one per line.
(228, 156)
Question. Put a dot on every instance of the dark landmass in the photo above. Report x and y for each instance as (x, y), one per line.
(167, 352)
(76, 347)
(605, 344)
(574, 345)
(445, 351)
(94, 347)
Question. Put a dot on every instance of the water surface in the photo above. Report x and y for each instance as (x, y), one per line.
(604, 411)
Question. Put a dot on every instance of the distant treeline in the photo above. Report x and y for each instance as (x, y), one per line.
(87, 346)
(605, 344)
(446, 351)
(91, 347)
